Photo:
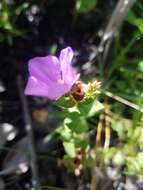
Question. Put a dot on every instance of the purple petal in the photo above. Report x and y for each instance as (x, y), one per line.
(44, 68)
(51, 90)
(65, 58)
(45, 75)
(58, 90)
(36, 87)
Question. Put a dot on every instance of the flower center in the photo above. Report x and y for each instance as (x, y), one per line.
(60, 81)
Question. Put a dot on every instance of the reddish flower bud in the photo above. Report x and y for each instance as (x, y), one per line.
(77, 91)
(76, 162)
(79, 153)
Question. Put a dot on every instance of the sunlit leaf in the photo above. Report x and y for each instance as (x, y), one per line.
(69, 148)
(91, 109)
(140, 65)
(76, 124)
(65, 133)
(139, 24)
(96, 107)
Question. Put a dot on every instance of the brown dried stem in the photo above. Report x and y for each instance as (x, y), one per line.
(97, 144)
(107, 127)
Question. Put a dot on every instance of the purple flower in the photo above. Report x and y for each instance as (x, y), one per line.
(51, 77)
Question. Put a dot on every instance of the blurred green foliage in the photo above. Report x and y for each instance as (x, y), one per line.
(136, 21)
(123, 76)
(11, 10)
(8, 17)
(125, 79)
(83, 6)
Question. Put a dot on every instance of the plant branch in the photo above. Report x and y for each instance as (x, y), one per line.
(95, 154)
(123, 101)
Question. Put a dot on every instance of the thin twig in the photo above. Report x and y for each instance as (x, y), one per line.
(27, 119)
(99, 131)
(123, 101)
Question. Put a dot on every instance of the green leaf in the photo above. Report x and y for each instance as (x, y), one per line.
(74, 110)
(88, 161)
(131, 17)
(119, 158)
(139, 23)
(76, 124)
(65, 102)
(69, 148)
(85, 5)
(53, 49)
(67, 160)
(79, 125)
(65, 133)
(96, 108)
(82, 143)
(140, 66)
(91, 109)
(20, 8)
(85, 108)
(8, 26)
(121, 126)
(135, 165)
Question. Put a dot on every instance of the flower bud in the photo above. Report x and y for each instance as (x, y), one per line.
(77, 91)
(76, 162)
(80, 153)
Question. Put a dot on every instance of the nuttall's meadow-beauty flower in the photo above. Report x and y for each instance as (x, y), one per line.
(50, 76)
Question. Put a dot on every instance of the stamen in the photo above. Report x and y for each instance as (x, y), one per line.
(61, 75)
